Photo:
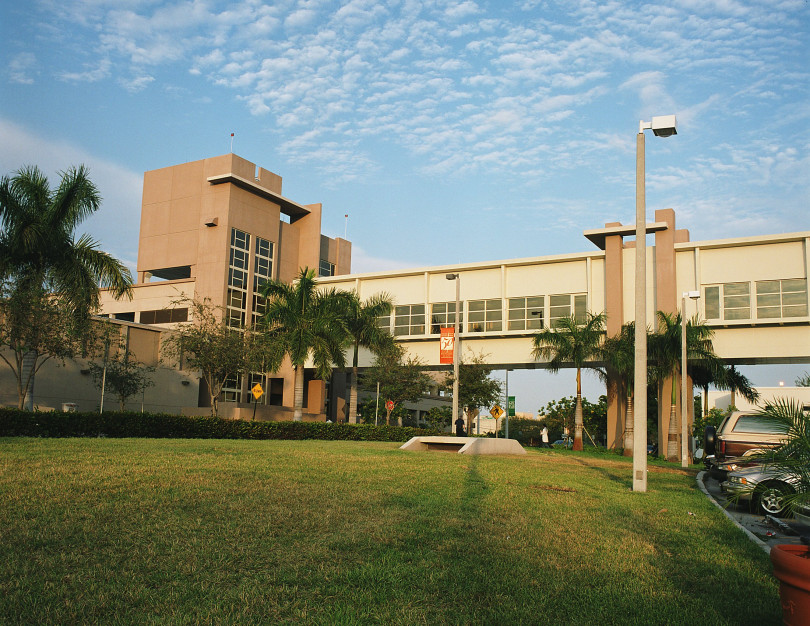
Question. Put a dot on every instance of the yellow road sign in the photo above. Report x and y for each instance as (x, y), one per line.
(257, 391)
(496, 411)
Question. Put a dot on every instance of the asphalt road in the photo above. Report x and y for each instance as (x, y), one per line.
(768, 533)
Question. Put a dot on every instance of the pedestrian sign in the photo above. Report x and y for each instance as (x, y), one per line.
(257, 391)
(496, 411)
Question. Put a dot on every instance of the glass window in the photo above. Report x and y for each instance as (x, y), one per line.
(409, 319)
(755, 424)
(325, 268)
(525, 313)
(565, 305)
(484, 315)
(236, 298)
(729, 301)
(262, 272)
(231, 388)
(781, 298)
(444, 314)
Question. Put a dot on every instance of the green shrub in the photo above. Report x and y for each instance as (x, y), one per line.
(16, 423)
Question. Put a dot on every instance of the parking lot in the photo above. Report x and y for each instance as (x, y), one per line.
(761, 527)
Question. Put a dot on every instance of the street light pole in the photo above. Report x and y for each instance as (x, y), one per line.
(456, 345)
(693, 295)
(663, 126)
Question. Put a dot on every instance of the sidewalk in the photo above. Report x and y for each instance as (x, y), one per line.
(759, 528)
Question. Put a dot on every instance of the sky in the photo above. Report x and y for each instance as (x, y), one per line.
(449, 131)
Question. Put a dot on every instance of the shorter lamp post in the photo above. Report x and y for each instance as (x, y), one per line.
(692, 295)
(456, 342)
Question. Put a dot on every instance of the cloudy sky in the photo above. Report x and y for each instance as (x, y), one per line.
(449, 131)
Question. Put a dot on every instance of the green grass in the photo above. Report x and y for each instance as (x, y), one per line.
(212, 532)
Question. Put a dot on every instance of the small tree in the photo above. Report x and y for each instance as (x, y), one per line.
(439, 417)
(218, 351)
(401, 379)
(36, 327)
(803, 380)
(120, 372)
(476, 388)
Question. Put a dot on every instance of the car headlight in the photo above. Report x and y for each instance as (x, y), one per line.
(738, 480)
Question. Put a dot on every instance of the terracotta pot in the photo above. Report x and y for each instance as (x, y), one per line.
(791, 565)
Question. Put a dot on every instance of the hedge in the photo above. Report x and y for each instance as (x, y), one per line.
(16, 423)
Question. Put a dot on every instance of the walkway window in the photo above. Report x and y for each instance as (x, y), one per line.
(781, 298)
(325, 268)
(409, 319)
(444, 314)
(526, 313)
(484, 316)
(729, 301)
(565, 305)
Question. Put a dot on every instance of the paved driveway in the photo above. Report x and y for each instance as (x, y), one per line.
(765, 533)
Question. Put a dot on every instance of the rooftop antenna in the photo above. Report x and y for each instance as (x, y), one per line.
(231, 143)
(346, 226)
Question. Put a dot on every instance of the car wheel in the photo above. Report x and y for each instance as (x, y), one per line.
(771, 498)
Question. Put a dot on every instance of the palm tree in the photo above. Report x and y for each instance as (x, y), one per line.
(665, 354)
(361, 319)
(307, 322)
(40, 257)
(572, 342)
(618, 352)
(37, 244)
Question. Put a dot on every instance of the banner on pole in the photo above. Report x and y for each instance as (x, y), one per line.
(447, 343)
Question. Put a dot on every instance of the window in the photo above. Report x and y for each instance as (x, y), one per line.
(755, 424)
(525, 313)
(781, 298)
(262, 272)
(231, 388)
(325, 268)
(164, 316)
(384, 322)
(484, 315)
(729, 301)
(565, 305)
(126, 317)
(409, 320)
(444, 314)
(236, 303)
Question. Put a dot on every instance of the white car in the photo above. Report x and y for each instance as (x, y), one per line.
(763, 487)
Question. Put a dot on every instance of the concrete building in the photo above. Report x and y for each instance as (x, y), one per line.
(218, 229)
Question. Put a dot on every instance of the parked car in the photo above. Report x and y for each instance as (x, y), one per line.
(719, 469)
(763, 487)
(742, 434)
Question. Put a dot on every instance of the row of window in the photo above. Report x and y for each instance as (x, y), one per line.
(762, 299)
(238, 287)
(525, 313)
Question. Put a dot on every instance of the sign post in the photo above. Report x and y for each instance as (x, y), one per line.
(257, 392)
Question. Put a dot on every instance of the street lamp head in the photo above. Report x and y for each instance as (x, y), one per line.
(451, 276)
(692, 295)
(664, 126)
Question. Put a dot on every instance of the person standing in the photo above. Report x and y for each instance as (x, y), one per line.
(460, 427)
(544, 437)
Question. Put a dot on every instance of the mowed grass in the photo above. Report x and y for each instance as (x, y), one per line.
(215, 532)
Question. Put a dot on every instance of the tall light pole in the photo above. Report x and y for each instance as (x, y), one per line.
(663, 126)
(456, 345)
(693, 295)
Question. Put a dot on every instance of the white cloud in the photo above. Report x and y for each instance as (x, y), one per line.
(20, 66)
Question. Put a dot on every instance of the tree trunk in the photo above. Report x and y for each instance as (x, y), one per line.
(673, 443)
(578, 414)
(29, 362)
(298, 401)
(353, 397)
(629, 427)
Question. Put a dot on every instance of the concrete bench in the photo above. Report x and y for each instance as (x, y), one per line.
(463, 445)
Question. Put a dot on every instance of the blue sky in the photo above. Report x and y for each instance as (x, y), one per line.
(449, 131)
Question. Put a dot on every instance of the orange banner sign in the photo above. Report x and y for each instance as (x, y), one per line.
(447, 343)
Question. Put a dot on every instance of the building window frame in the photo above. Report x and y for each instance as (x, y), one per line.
(484, 315)
(409, 319)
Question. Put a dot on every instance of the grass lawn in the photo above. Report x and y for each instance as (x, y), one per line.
(199, 531)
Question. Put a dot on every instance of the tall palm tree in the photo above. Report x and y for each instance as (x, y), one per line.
(39, 253)
(307, 322)
(665, 354)
(37, 244)
(618, 353)
(361, 320)
(572, 342)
